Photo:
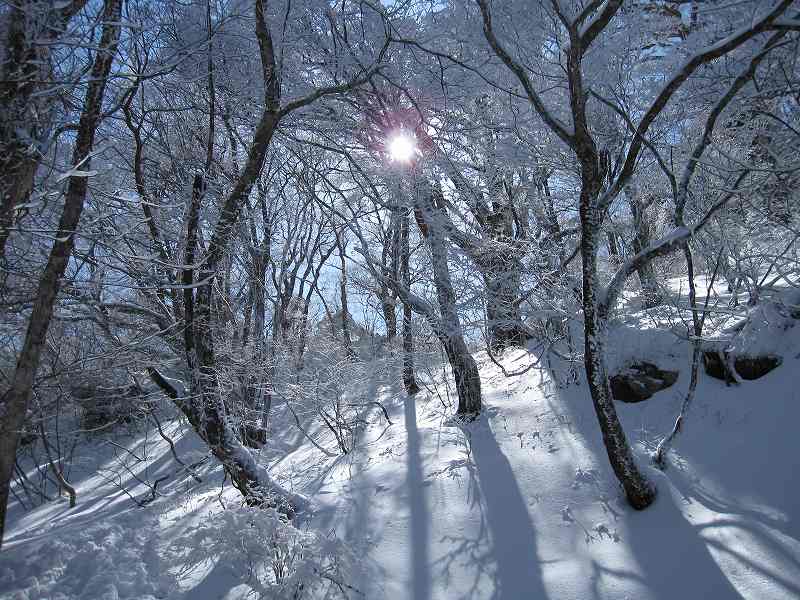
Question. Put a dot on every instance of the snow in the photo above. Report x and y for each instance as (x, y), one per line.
(769, 328)
(520, 504)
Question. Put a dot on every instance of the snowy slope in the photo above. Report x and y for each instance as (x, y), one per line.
(521, 504)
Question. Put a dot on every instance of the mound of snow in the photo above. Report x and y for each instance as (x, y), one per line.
(520, 504)
(769, 329)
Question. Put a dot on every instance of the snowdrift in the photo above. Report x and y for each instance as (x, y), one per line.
(518, 505)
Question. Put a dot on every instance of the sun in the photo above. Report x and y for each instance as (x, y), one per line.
(401, 147)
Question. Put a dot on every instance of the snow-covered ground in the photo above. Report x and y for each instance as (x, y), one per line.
(521, 504)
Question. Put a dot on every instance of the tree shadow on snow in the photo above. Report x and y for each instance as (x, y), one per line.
(518, 573)
(420, 518)
(673, 558)
(217, 583)
(124, 475)
(783, 563)
(352, 506)
(670, 557)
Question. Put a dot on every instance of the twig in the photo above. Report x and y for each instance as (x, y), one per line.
(167, 439)
(660, 455)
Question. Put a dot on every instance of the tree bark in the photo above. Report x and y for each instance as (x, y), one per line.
(639, 491)
(389, 314)
(449, 332)
(31, 27)
(58, 472)
(348, 343)
(387, 296)
(15, 402)
(409, 378)
(502, 274)
(613, 249)
(642, 237)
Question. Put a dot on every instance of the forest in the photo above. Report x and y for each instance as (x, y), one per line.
(399, 299)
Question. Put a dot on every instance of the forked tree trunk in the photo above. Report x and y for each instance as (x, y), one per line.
(14, 405)
(494, 253)
(639, 491)
(205, 408)
(207, 417)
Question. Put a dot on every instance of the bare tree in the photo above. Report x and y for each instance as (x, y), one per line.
(31, 30)
(205, 408)
(595, 197)
(17, 398)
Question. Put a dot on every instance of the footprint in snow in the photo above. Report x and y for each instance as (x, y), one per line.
(566, 515)
(585, 476)
(601, 529)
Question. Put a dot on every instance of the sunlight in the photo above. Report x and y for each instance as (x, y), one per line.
(402, 148)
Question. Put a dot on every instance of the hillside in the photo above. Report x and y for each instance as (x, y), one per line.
(520, 504)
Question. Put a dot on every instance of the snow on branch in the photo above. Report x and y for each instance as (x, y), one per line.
(702, 57)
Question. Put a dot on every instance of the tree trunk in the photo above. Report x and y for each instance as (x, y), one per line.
(698, 322)
(348, 343)
(206, 416)
(641, 240)
(613, 250)
(409, 379)
(553, 244)
(58, 472)
(302, 337)
(639, 491)
(389, 314)
(254, 380)
(15, 401)
(501, 275)
(466, 374)
(31, 27)
(449, 332)
(205, 408)
(259, 291)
